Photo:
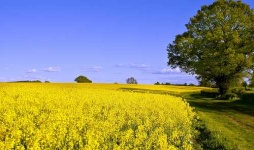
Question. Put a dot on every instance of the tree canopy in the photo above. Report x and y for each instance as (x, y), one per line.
(218, 45)
(131, 80)
(82, 79)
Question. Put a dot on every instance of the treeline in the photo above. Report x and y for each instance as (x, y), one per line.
(167, 83)
(30, 81)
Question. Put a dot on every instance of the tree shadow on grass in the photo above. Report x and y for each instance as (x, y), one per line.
(212, 104)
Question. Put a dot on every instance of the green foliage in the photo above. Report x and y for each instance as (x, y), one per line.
(247, 97)
(204, 82)
(131, 80)
(47, 82)
(218, 44)
(82, 79)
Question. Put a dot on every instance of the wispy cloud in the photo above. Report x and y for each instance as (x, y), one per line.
(119, 65)
(31, 71)
(52, 69)
(92, 69)
(96, 68)
(139, 66)
(177, 78)
(33, 77)
(154, 70)
(167, 71)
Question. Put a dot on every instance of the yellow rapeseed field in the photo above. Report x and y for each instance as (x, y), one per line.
(91, 116)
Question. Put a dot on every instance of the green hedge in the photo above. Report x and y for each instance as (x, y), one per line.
(210, 93)
(247, 97)
(215, 94)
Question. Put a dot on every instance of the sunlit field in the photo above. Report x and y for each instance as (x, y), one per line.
(93, 116)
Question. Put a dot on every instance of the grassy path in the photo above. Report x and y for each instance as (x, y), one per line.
(230, 123)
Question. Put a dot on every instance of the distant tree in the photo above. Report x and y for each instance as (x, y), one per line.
(157, 83)
(28, 81)
(47, 82)
(131, 80)
(218, 44)
(82, 79)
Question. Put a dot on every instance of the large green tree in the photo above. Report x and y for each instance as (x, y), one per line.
(218, 45)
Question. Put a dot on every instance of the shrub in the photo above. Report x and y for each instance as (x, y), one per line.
(230, 96)
(82, 79)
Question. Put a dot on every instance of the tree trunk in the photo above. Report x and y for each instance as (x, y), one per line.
(223, 85)
(223, 90)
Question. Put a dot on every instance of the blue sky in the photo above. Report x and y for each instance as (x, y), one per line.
(105, 40)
